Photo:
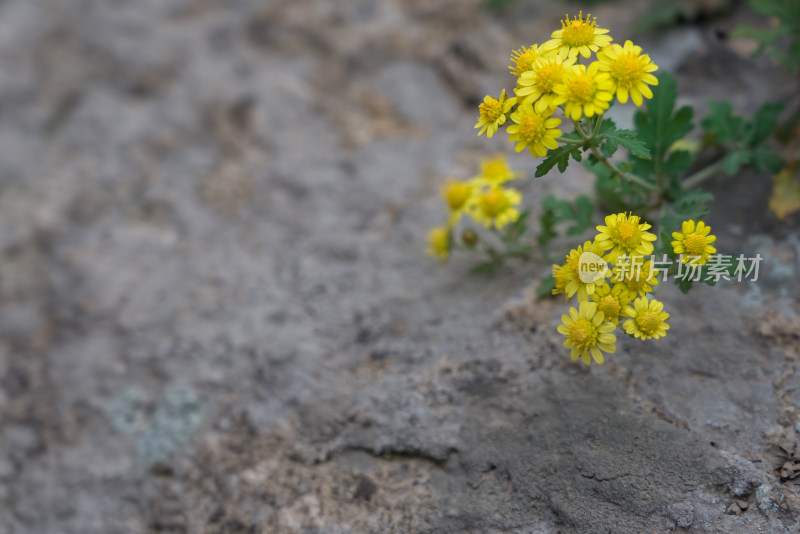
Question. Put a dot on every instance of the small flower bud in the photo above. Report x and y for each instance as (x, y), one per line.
(469, 237)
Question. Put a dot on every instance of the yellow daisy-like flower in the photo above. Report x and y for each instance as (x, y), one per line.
(588, 333)
(647, 319)
(534, 130)
(584, 91)
(578, 36)
(439, 242)
(494, 171)
(538, 84)
(636, 278)
(496, 206)
(611, 300)
(629, 70)
(624, 234)
(694, 242)
(571, 272)
(524, 58)
(457, 195)
(493, 112)
(560, 276)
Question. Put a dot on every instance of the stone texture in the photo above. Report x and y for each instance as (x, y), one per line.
(217, 316)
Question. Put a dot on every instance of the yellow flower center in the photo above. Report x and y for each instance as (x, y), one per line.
(582, 333)
(578, 32)
(580, 88)
(491, 111)
(609, 306)
(627, 70)
(648, 322)
(493, 203)
(495, 170)
(637, 279)
(694, 244)
(531, 128)
(628, 232)
(548, 75)
(457, 195)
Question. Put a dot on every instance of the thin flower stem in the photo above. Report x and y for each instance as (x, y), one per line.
(567, 141)
(702, 175)
(613, 168)
(597, 124)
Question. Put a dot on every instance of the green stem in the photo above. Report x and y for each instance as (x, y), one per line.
(604, 160)
(702, 175)
(598, 121)
(567, 141)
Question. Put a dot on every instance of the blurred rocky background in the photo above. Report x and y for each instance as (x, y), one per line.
(217, 316)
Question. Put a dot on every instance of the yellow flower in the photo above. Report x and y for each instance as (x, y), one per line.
(494, 171)
(629, 70)
(493, 113)
(635, 277)
(587, 333)
(496, 206)
(646, 319)
(560, 276)
(623, 234)
(533, 130)
(457, 196)
(439, 242)
(694, 242)
(538, 84)
(611, 300)
(578, 36)
(585, 91)
(524, 58)
(571, 272)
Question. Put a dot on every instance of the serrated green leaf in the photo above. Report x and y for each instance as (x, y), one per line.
(558, 156)
(720, 124)
(691, 205)
(614, 138)
(657, 127)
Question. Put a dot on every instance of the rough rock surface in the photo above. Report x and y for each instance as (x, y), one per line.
(217, 317)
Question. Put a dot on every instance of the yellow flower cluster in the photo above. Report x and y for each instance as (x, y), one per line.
(608, 288)
(484, 198)
(551, 77)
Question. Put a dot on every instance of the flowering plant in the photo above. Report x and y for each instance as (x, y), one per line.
(571, 81)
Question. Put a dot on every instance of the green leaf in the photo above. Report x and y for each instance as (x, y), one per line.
(583, 211)
(764, 122)
(692, 205)
(546, 287)
(720, 124)
(764, 159)
(658, 127)
(678, 161)
(557, 211)
(683, 284)
(733, 161)
(614, 193)
(558, 156)
(614, 138)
